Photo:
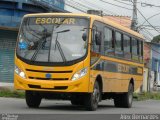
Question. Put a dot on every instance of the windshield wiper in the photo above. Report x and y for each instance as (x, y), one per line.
(40, 43)
(59, 45)
(57, 36)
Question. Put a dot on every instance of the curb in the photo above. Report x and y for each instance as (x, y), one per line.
(4, 86)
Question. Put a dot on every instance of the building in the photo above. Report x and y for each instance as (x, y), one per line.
(147, 59)
(155, 64)
(11, 12)
(147, 54)
(122, 20)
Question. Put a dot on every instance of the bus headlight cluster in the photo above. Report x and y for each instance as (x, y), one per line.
(79, 74)
(19, 72)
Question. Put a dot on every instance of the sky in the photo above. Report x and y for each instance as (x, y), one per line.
(152, 9)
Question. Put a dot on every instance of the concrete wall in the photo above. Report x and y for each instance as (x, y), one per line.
(11, 11)
(155, 64)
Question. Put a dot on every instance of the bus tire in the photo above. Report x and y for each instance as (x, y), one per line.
(92, 99)
(125, 100)
(33, 99)
(128, 97)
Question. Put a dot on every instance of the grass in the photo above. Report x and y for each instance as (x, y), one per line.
(11, 93)
(146, 96)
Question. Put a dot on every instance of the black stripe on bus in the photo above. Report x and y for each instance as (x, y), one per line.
(69, 71)
(110, 66)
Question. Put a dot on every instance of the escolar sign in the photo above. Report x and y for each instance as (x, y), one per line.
(55, 21)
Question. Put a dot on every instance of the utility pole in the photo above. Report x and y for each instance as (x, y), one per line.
(134, 17)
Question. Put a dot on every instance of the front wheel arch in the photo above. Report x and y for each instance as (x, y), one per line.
(92, 99)
(132, 82)
(100, 82)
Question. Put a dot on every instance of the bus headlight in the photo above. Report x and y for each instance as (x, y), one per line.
(79, 74)
(19, 72)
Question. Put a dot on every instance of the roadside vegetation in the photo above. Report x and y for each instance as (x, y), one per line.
(11, 93)
(147, 95)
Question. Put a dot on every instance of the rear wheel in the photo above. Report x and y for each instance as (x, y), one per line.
(33, 99)
(125, 100)
(92, 99)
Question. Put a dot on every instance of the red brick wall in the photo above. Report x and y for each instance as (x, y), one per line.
(147, 53)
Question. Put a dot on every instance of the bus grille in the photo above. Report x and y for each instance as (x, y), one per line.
(38, 78)
(33, 75)
(54, 88)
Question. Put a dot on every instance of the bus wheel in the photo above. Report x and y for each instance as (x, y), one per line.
(33, 99)
(92, 99)
(125, 100)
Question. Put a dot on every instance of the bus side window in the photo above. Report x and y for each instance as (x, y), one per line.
(127, 46)
(140, 50)
(135, 49)
(96, 47)
(118, 44)
(108, 42)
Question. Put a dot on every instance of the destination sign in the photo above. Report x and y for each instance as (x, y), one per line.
(49, 20)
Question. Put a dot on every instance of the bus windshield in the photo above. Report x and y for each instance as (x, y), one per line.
(53, 39)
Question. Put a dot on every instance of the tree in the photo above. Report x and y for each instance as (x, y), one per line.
(156, 39)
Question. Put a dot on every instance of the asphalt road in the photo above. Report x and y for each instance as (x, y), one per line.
(16, 109)
(18, 106)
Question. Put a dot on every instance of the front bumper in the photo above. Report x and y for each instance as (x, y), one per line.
(80, 85)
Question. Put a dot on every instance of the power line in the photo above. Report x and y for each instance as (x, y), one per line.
(150, 18)
(147, 21)
(149, 33)
(74, 4)
(90, 8)
(148, 4)
(148, 27)
(123, 2)
(146, 35)
(101, 8)
(74, 7)
(115, 5)
(79, 4)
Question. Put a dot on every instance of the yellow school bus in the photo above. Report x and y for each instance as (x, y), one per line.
(83, 58)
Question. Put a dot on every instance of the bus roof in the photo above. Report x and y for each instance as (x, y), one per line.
(94, 17)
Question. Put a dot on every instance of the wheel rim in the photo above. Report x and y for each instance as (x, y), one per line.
(96, 95)
(130, 95)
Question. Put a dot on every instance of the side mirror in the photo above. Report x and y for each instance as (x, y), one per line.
(98, 38)
(84, 36)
